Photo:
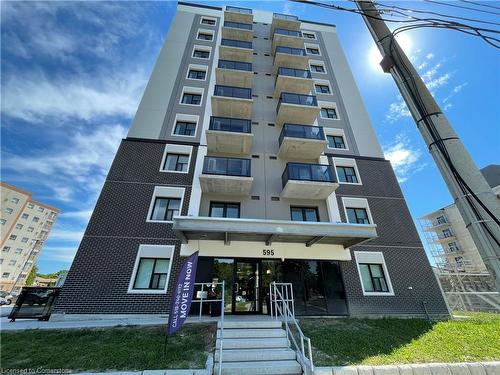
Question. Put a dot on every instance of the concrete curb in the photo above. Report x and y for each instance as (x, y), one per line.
(466, 368)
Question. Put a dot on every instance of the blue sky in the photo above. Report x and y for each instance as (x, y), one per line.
(73, 74)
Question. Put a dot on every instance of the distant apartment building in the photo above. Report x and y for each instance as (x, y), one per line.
(459, 265)
(24, 226)
(252, 146)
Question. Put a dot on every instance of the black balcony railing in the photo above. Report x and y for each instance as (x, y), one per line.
(302, 131)
(233, 92)
(238, 25)
(238, 10)
(235, 65)
(229, 124)
(291, 72)
(296, 33)
(285, 17)
(236, 43)
(299, 99)
(227, 166)
(291, 50)
(308, 172)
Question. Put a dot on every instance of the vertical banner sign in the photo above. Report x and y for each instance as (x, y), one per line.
(183, 294)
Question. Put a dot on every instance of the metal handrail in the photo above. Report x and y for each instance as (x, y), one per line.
(282, 310)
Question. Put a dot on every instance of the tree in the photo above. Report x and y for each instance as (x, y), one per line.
(31, 277)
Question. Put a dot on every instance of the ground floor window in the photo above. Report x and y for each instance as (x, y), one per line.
(373, 278)
(151, 273)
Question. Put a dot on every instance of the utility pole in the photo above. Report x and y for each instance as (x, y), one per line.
(443, 143)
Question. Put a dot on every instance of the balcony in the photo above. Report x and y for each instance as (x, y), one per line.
(284, 21)
(287, 38)
(308, 181)
(234, 73)
(226, 176)
(296, 108)
(237, 30)
(236, 50)
(237, 14)
(293, 80)
(288, 57)
(231, 101)
(301, 142)
(229, 135)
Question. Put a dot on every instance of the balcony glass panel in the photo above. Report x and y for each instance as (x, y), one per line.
(302, 131)
(291, 50)
(285, 17)
(226, 166)
(228, 124)
(291, 72)
(299, 99)
(233, 92)
(288, 32)
(237, 43)
(308, 172)
(238, 10)
(235, 65)
(238, 25)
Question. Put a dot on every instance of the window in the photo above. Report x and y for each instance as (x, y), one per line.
(12, 263)
(373, 278)
(329, 113)
(5, 275)
(335, 141)
(13, 237)
(205, 36)
(165, 209)
(31, 205)
(15, 200)
(312, 51)
(40, 209)
(19, 226)
(6, 249)
(441, 220)
(8, 210)
(24, 216)
(3, 221)
(19, 250)
(322, 89)
(304, 214)
(460, 261)
(176, 162)
(36, 219)
(185, 128)
(194, 99)
(24, 239)
(447, 233)
(317, 68)
(357, 216)
(224, 209)
(201, 53)
(31, 229)
(207, 21)
(347, 174)
(197, 74)
(152, 273)
(452, 246)
(308, 35)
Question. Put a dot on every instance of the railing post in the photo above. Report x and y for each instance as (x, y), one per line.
(222, 325)
(271, 300)
(293, 301)
(201, 300)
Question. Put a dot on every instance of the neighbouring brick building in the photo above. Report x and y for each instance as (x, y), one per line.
(252, 146)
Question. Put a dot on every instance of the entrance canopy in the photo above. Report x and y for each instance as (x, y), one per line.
(189, 228)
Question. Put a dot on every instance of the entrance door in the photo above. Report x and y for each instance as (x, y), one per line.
(246, 287)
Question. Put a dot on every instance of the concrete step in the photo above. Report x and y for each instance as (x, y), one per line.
(248, 333)
(247, 355)
(264, 323)
(260, 368)
(254, 343)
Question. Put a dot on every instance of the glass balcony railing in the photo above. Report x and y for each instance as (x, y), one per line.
(295, 33)
(302, 131)
(238, 10)
(291, 72)
(227, 166)
(233, 92)
(308, 172)
(299, 99)
(235, 65)
(228, 124)
(285, 17)
(238, 25)
(291, 50)
(237, 43)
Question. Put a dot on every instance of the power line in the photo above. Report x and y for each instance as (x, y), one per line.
(463, 7)
(479, 4)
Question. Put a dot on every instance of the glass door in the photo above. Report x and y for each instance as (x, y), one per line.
(246, 287)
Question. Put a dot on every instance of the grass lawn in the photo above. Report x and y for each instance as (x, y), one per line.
(120, 348)
(396, 341)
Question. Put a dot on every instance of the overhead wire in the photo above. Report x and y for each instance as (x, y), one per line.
(461, 6)
(479, 4)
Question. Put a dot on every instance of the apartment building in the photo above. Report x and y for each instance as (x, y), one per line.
(24, 226)
(252, 146)
(459, 266)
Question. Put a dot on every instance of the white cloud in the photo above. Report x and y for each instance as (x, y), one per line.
(404, 159)
(83, 215)
(455, 91)
(398, 110)
(66, 235)
(58, 254)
